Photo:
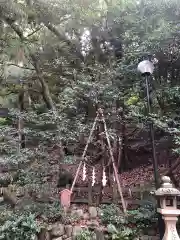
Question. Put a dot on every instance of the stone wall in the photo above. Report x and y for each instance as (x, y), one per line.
(86, 219)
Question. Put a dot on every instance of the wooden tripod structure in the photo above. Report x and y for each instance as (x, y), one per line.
(100, 116)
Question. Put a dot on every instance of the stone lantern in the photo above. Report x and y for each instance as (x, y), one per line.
(167, 195)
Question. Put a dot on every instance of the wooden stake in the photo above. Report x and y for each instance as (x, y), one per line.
(113, 161)
(84, 172)
(114, 192)
(90, 201)
(84, 153)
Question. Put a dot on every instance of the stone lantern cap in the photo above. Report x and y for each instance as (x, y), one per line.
(166, 188)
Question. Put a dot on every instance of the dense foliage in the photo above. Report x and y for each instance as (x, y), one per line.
(20, 227)
(134, 224)
(63, 59)
(85, 235)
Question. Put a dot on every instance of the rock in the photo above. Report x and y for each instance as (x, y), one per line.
(93, 212)
(145, 237)
(64, 237)
(92, 224)
(76, 231)
(99, 212)
(86, 216)
(50, 227)
(57, 230)
(88, 223)
(73, 212)
(25, 201)
(99, 234)
(79, 213)
(73, 207)
(59, 238)
(20, 192)
(68, 230)
(44, 234)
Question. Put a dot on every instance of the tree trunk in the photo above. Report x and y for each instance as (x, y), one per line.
(124, 157)
(118, 151)
(45, 89)
(173, 179)
(21, 122)
(175, 165)
(74, 49)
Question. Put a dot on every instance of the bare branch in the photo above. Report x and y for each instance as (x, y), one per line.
(16, 65)
(35, 31)
(15, 28)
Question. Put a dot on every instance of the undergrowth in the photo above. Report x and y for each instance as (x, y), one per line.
(128, 227)
(20, 227)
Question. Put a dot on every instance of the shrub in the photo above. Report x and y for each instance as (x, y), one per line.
(48, 212)
(123, 233)
(140, 219)
(112, 214)
(85, 235)
(20, 227)
(144, 216)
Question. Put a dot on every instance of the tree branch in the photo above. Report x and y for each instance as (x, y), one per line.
(35, 31)
(16, 65)
(45, 89)
(15, 28)
(33, 90)
(62, 37)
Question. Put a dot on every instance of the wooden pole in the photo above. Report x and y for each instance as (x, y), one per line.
(19, 134)
(90, 199)
(113, 161)
(84, 153)
(114, 192)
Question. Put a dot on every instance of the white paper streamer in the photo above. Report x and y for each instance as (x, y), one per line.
(93, 177)
(84, 172)
(114, 179)
(104, 179)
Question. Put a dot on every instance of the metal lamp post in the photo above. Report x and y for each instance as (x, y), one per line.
(146, 68)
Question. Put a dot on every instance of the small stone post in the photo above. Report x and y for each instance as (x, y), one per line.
(167, 195)
(65, 199)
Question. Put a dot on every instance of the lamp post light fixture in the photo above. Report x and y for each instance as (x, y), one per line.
(146, 69)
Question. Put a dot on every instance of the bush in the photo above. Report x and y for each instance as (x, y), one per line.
(85, 235)
(20, 227)
(123, 233)
(112, 214)
(48, 212)
(140, 219)
(144, 216)
(5, 214)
